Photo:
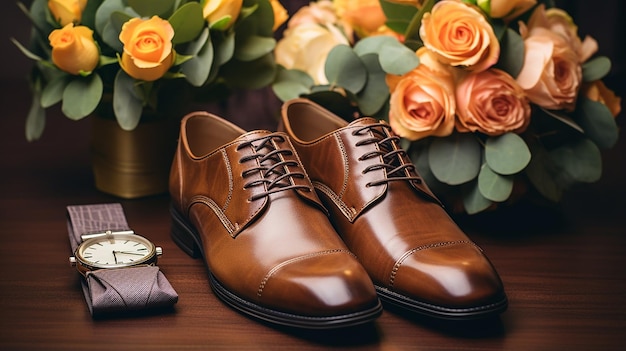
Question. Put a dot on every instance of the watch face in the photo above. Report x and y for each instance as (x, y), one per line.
(116, 250)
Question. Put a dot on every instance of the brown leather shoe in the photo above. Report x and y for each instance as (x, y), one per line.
(416, 255)
(243, 202)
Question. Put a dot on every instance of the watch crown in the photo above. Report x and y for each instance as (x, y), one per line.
(72, 261)
(159, 251)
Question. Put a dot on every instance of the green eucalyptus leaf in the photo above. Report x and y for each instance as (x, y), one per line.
(511, 53)
(250, 74)
(581, 160)
(345, 69)
(542, 171)
(36, 118)
(455, 159)
(187, 22)
(222, 23)
(598, 122)
(413, 29)
(473, 201)
(290, 83)
(149, 8)
(563, 118)
(596, 68)
(198, 68)
(507, 153)
(103, 15)
(375, 93)
(398, 59)
(398, 16)
(112, 29)
(53, 91)
(127, 105)
(253, 47)
(25, 51)
(494, 186)
(225, 48)
(81, 96)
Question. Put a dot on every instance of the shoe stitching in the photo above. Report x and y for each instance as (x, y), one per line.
(347, 211)
(346, 165)
(229, 197)
(216, 209)
(406, 255)
(297, 259)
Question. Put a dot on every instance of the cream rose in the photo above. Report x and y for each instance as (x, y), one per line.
(321, 12)
(306, 47)
(492, 103)
(551, 74)
(73, 49)
(422, 102)
(148, 51)
(509, 9)
(597, 91)
(67, 11)
(459, 35)
(217, 10)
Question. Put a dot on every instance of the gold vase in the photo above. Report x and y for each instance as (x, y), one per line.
(132, 164)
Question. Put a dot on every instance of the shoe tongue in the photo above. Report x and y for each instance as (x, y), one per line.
(252, 135)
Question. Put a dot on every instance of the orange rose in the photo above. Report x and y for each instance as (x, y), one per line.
(222, 10)
(492, 103)
(67, 11)
(597, 91)
(148, 51)
(280, 14)
(551, 74)
(460, 36)
(73, 49)
(365, 17)
(422, 103)
(509, 9)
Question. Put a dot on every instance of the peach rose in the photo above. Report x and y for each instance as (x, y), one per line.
(597, 91)
(217, 10)
(280, 14)
(460, 36)
(422, 103)
(306, 47)
(366, 17)
(67, 11)
(509, 9)
(73, 49)
(558, 21)
(551, 74)
(148, 51)
(492, 103)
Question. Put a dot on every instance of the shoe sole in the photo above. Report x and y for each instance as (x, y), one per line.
(441, 312)
(187, 238)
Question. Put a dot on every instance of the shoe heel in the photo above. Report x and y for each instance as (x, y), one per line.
(184, 236)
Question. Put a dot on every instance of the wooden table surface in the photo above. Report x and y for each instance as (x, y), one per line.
(564, 268)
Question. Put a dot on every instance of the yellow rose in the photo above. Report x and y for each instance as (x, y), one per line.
(597, 91)
(460, 36)
(321, 12)
(217, 10)
(492, 103)
(305, 47)
(551, 74)
(366, 17)
(73, 49)
(280, 14)
(422, 103)
(67, 11)
(509, 9)
(148, 51)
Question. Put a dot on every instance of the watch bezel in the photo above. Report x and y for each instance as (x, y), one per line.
(85, 265)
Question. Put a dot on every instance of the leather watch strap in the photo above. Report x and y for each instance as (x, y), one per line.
(117, 290)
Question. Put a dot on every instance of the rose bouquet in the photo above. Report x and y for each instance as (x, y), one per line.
(125, 52)
(492, 98)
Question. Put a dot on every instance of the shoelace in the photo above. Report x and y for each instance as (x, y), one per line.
(273, 168)
(392, 155)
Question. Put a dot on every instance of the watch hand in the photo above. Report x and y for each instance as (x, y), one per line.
(129, 253)
(115, 257)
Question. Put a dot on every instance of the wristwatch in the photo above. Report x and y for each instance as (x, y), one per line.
(118, 266)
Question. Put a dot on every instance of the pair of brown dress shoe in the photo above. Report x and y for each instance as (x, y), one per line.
(309, 226)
